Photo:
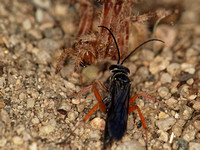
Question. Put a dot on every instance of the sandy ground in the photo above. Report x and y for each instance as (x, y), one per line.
(32, 34)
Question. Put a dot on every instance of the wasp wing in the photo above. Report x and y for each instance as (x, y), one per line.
(116, 122)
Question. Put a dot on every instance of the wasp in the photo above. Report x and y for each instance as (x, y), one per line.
(118, 103)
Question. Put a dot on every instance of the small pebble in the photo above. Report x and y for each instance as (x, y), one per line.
(158, 64)
(187, 112)
(192, 97)
(30, 103)
(184, 90)
(163, 91)
(72, 115)
(166, 78)
(33, 146)
(163, 136)
(177, 128)
(182, 143)
(174, 69)
(167, 33)
(130, 146)
(189, 135)
(45, 4)
(5, 117)
(191, 56)
(39, 15)
(190, 68)
(190, 81)
(34, 34)
(46, 129)
(64, 106)
(2, 104)
(165, 124)
(68, 27)
(60, 10)
(69, 85)
(196, 105)
(196, 124)
(17, 140)
(22, 96)
(43, 56)
(143, 73)
(78, 101)
(98, 123)
(167, 53)
(162, 115)
(2, 82)
(3, 142)
(171, 102)
(194, 146)
(35, 121)
(167, 146)
(94, 135)
(48, 45)
(55, 33)
(146, 55)
(80, 108)
(26, 24)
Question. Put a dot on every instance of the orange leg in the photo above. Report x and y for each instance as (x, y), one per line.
(134, 107)
(96, 94)
(90, 86)
(99, 104)
(98, 97)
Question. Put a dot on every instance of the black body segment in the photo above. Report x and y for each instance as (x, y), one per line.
(117, 114)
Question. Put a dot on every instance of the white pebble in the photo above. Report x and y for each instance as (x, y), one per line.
(190, 81)
(158, 64)
(171, 102)
(163, 91)
(72, 115)
(22, 96)
(33, 146)
(3, 142)
(130, 146)
(17, 140)
(190, 68)
(196, 105)
(30, 103)
(166, 78)
(163, 136)
(174, 69)
(194, 146)
(98, 123)
(35, 120)
(165, 124)
(69, 85)
(189, 135)
(26, 24)
(47, 129)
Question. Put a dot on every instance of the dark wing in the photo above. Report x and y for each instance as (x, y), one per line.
(118, 113)
(117, 116)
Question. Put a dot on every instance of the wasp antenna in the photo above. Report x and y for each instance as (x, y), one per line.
(114, 41)
(139, 47)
